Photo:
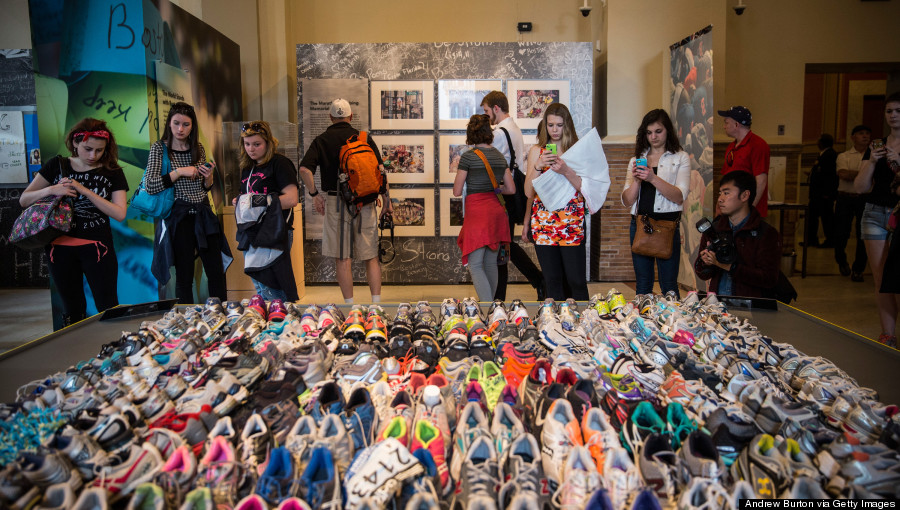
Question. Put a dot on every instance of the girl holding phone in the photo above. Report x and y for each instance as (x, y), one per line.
(93, 178)
(876, 171)
(558, 235)
(192, 227)
(657, 183)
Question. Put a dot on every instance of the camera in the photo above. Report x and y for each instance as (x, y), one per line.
(585, 10)
(740, 8)
(386, 222)
(720, 243)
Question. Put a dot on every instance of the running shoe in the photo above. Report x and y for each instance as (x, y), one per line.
(763, 466)
(560, 433)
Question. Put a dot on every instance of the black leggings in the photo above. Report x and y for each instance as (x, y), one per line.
(564, 264)
(184, 244)
(69, 266)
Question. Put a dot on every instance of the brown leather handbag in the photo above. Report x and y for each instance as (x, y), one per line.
(653, 238)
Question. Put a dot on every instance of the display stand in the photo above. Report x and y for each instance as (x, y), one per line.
(870, 363)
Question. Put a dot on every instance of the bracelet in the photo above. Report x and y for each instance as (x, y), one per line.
(314, 194)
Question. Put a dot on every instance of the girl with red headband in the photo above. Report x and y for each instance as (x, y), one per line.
(93, 178)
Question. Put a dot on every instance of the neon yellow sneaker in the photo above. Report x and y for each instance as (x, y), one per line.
(492, 382)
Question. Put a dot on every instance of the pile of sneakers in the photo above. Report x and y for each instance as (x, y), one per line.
(649, 403)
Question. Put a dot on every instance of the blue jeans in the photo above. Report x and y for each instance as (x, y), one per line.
(268, 293)
(668, 269)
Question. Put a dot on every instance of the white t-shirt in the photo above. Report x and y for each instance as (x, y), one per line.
(848, 160)
(515, 134)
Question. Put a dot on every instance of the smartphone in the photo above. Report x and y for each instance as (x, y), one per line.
(640, 162)
(877, 144)
(551, 148)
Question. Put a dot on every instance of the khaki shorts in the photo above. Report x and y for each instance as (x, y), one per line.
(359, 234)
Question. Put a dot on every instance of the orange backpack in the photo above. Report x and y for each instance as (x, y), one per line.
(360, 180)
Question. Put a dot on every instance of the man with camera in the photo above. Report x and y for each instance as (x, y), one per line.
(740, 253)
(347, 233)
(508, 140)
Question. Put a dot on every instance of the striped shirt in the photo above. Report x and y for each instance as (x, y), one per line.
(189, 190)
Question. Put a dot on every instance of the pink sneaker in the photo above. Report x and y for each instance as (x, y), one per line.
(277, 311)
(430, 437)
(257, 304)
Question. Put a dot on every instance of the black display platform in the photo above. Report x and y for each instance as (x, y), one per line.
(870, 363)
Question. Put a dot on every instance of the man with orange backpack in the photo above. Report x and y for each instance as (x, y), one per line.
(353, 179)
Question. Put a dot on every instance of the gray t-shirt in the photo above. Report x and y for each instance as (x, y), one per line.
(477, 180)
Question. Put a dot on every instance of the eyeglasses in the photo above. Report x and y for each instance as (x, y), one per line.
(648, 228)
(253, 126)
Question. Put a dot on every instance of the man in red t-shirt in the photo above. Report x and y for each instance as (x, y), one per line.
(748, 152)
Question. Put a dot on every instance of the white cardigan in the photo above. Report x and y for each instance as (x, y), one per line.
(675, 169)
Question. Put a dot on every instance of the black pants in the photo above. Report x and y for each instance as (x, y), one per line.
(519, 257)
(70, 265)
(820, 208)
(564, 264)
(847, 213)
(185, 246)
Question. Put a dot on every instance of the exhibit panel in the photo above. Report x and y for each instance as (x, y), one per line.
(425, 93)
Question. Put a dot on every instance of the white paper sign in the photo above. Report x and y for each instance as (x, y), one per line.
(13, 163)
(587, 159)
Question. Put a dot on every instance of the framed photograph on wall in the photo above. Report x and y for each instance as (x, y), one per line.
(451, 148)
(451, 213)
(460, 99)
(529, 98)
(408, 159)
(402, 104)
(413, 212)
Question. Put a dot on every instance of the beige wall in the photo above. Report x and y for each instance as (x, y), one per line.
(373, 21)
(770, 45)
(15, 29)
(640, 33)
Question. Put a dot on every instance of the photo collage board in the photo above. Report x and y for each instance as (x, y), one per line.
(421, 140)
(420, 99)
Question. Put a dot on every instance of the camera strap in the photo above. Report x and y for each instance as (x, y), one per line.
(381, 251)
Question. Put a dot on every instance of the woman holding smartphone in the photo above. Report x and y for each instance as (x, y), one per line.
(192, 227)
(879, 166)
(558, 235)
(485, 224)
(657, 183)
(93, 178)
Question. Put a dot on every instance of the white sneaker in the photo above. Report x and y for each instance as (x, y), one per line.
(333, 435)
(559, 435)
(471, 425)
(580, 481)
(621, 476)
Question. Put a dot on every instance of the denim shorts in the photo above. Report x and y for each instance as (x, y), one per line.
(874, 222)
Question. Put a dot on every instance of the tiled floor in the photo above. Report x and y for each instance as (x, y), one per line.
(25, 313)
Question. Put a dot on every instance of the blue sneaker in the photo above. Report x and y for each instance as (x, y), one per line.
(278, 480)
(359, 417)
(329, 401)
(319, 485)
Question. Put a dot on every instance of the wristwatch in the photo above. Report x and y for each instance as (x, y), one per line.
(314, 194)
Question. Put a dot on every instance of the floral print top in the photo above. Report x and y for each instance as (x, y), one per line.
(564, 227)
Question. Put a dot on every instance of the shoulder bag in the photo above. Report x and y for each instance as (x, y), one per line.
(157, 205)
(653, 238)
(515, 204)
(503, 252)
(43, 221)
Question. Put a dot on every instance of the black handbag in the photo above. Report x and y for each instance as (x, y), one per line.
(515, 204)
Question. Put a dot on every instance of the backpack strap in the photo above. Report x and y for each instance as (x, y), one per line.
(513, 164)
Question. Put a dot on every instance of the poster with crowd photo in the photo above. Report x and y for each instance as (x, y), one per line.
(692, 112)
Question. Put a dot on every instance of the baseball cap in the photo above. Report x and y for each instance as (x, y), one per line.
(861, 127)
(340, 108)
(740, 114)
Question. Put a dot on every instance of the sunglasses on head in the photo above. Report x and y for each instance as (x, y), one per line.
(182, 108)
(253, 126)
